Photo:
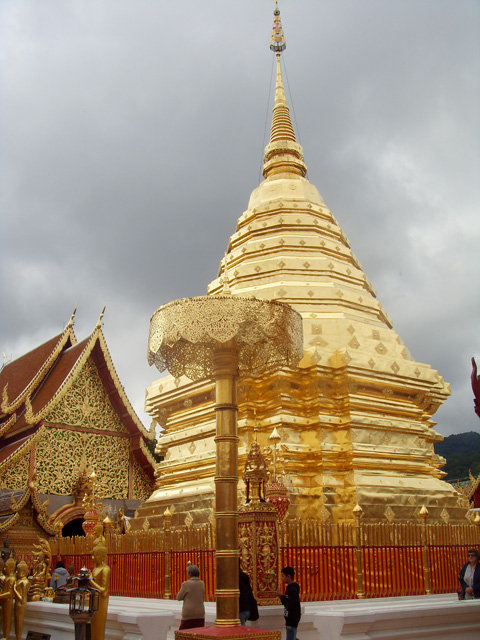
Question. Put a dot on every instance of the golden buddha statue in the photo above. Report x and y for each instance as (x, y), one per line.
(21, 588)
(100, 580)
(40, 572)
(99, 538)
(7, 595)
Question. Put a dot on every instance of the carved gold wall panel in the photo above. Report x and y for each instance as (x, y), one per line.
(16, 477)
(58, 455)
(87, 405)
(142, 487)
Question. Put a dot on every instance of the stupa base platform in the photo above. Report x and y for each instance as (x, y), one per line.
(437, 617)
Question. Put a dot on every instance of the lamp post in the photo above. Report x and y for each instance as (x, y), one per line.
(83, 604)
(224, 337)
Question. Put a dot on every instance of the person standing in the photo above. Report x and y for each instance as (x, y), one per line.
(246, 601)
(470, 576)
(192, 592)
(291, 602)
(59, 577)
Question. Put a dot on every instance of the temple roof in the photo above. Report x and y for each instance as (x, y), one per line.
(19, 378)
(34, 384)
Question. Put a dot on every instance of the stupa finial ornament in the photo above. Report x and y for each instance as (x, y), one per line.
(277, 41)
(283, 155)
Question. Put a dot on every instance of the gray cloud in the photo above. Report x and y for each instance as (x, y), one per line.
(132, 136)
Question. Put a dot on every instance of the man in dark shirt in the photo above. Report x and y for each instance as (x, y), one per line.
(246, 601)
(291, 602)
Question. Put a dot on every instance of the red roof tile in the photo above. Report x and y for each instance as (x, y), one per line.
(21, 372)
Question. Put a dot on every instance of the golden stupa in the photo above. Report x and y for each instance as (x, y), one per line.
(355, 417)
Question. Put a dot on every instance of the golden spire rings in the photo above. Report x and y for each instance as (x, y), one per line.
(277, 41)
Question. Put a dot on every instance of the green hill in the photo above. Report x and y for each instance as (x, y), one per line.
(462, 452)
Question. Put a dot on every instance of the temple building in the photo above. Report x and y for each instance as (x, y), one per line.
(65, 416)
(355, 418)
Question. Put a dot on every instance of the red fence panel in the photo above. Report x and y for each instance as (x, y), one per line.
(393, 571)
(323, 573)
(204, 559)
(445, 564)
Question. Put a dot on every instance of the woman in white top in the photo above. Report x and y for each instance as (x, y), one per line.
(470, 576)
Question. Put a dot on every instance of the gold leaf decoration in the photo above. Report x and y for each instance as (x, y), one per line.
(58, 454)
(16, 477)
(86, 404)
(142, 486)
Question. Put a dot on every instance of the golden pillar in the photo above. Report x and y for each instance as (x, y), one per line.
(225, 370)
(224, 337)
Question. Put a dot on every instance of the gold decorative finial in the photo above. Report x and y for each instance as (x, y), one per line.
(70, 322)
(277, 41)
(99, 321)
(357, 511)
(274, 438)
(423, 513)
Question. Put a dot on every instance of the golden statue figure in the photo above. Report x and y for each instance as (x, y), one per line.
(120, 521)
(39, 578)
(99, 538)
(21, 592)
(100, 581)
(7, 595)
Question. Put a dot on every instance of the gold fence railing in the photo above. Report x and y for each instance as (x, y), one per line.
(332, 561)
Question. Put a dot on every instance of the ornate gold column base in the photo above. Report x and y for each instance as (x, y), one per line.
(259, 550)
(236, 633)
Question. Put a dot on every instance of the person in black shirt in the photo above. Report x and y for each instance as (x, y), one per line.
(246, 602)
(291, 602)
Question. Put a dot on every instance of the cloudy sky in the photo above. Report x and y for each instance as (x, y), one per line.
(132, 133)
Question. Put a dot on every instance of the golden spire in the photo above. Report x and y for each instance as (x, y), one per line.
(283, 155)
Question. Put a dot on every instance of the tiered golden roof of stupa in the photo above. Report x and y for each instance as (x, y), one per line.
(354, 418)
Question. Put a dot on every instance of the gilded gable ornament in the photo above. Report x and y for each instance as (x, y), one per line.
(57, 454)
(86, 404)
